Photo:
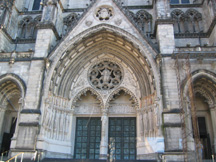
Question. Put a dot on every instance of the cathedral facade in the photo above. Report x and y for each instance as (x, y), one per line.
(108, 79)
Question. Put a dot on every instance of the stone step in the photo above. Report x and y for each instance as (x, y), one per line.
(89, 160)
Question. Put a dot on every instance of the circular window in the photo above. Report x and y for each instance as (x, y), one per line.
(104, 13)
(105, 75)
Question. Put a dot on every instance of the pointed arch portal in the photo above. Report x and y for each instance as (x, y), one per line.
(105, 75)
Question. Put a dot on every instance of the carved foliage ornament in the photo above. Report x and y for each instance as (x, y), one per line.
(104, 13)
(105, 75)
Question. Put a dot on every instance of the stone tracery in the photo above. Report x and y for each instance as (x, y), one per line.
(116, 93)
(83, 92)
(105, 75)
(104, 13)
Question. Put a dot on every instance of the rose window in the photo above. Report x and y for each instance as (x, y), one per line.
(104, 13)
(105, 75)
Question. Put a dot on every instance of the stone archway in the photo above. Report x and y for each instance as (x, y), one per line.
(12, 92)
(68, 74)
(204, 88)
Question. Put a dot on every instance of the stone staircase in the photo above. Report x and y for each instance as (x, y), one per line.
(88, 160)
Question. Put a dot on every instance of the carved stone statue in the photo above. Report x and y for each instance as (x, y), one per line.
(106, 75)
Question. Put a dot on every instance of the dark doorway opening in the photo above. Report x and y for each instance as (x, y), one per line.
(6, 141)
(204, 138)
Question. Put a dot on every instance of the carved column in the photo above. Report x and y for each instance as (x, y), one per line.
(190, 139)
(140, 135)
(104, 136)
(213, 117)
(2, 114)
(72, 124)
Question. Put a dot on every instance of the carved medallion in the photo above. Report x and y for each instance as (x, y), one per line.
(104, 13)
(105, 75)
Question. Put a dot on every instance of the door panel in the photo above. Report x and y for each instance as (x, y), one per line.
(88, 136)
(122, 138)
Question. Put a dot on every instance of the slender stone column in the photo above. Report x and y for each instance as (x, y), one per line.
(104, 136)
(140, 135)
(213, 117)
(72, 125)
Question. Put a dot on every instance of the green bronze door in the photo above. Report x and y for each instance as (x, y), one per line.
(88, 136)
(122, 138)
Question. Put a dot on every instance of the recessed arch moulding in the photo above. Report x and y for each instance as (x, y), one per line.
(68, 76)
(204, 83)
(72, 59)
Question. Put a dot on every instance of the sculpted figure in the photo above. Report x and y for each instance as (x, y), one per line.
(106, 75)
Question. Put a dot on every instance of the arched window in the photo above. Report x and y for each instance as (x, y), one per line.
(25, 28)
(179, 1)
(69, 21)
(179, 21)
(194, 21)
(36, 21)
(132, 15)
(36, 5)
(144, 21)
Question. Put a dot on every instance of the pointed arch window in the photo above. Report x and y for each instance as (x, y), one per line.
(194, 21)
(36, 5)
(179, 1)
(37, 20)
(179, 21)
(25, 27)
(144, 21)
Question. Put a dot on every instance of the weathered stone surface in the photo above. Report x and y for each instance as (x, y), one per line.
(49, 77)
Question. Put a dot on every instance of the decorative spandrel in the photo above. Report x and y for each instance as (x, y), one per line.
(105, 75)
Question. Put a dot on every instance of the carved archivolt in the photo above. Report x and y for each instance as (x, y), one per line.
(133, 98)
(83, 92)
(204, 82)
(204, 94)
(10, 85)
